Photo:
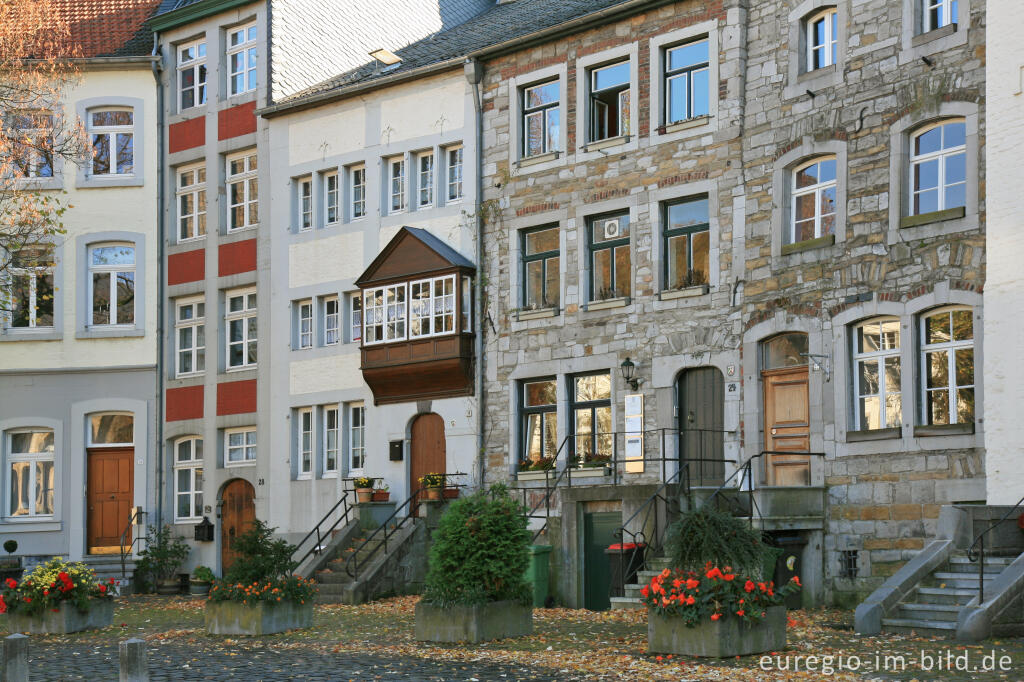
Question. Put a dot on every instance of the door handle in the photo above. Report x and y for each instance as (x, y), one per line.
(774, 431)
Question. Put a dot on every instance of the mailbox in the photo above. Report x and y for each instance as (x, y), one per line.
(204, 530)
(395, 449)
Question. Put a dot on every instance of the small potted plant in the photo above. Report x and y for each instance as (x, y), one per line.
(451, 493)
(10, 566)
(202, 578)
(164, 554)
(364, 488)
(432, 483)
(381, 493)
(57, 597)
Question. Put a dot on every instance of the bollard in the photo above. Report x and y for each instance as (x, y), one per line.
(15, 667)
(134, 666)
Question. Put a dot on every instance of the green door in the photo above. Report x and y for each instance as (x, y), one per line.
(598, 532)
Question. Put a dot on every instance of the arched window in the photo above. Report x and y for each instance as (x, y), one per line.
(938, 167)
(112, 284)
(822, 39)
(188, 479)
(813, 196)
(877, 375)
(947, 366)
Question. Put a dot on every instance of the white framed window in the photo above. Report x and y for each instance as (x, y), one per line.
(242, 56)
(814, 201)
(425, 179)
(454, 166)
(304, 319)
(305, 444)
(332, 430)
(384, 310)
(112, 284)
(356, 437)
(357, 177)
(112, 135)
(609, 101)
(938, 167)
(190, 334)
(822, 39)
(432, 306)
(939, 13)
(542, 117)
(467, 304)
(31, 455)
(331, 193)
(355, 317)
(30, 292)
(31, 142)
(396, 185)
(687, 90)
(188, 479)
(877, 384)
(947, 366)
(304, 203)
(332, 320)
(240, 316)
(243, 191)
(191, 194)
(239, 446)
(192, 74)
(112, 428)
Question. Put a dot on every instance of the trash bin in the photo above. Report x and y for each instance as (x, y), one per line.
(788, 564)
(537, 573)
(625, 560)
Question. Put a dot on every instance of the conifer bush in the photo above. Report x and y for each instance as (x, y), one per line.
(708, 535)
(480, 552)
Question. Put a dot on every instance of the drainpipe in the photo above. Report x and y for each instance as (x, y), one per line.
(474, 72)
(157, 66)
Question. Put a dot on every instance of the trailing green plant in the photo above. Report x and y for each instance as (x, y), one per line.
(164, 554)
(708, 535)
(50, 584)
(480, 551)
(362, 482)
(432, 480)
(260, 557)
(203, 574)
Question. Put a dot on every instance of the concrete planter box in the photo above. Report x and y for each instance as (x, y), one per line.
(496, 620)
(67, 619)
(261, 618)
(727, 637)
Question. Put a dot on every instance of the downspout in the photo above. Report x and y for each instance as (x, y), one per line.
(157, 66)
(474, 72)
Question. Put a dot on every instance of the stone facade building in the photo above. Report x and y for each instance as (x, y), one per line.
(776, 212)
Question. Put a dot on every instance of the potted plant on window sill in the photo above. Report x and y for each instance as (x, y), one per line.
(596, 465)
(57, 597)
(164, 554)
(536, 470)
(364, 488)
(202, 578)
(381, 493)
(432, 483)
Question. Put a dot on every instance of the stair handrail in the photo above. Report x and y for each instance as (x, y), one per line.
(974, 555)
(318, 545)
(135, 517)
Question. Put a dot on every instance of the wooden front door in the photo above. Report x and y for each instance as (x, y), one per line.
(237, 515)
(787, 426)
(427, 451)
(701, 424)
(109, 486)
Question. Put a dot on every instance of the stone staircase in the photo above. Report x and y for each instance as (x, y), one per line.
(632, 598)
(932, 608)
(108, 566)
(336, 586)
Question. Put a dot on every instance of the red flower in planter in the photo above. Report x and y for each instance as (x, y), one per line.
(690, 600)
(748, 586)
(691, 583)
(103, 589)
(645, 591)
(3, 605)
(11, 583)
(715, 616)
(740, 612)
(796, 579)
(729, 577)
(713, 573)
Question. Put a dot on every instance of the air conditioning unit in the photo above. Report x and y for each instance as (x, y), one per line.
(611, 229)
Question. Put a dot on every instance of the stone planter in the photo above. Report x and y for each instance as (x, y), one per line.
(496, 620)
(199, 587)
(261, 618)
(66, 619)
(168, 586)
(727, 637)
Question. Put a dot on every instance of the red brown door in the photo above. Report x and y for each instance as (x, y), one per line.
(787, 425)
(427, 451)
(109, 496)
(237, 516)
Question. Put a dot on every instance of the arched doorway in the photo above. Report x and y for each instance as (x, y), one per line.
(427, 450)
(787, 425)
(701, 400)
(238, 511)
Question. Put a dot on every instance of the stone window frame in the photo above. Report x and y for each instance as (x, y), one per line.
(782, 175)
(800, 80)
(946, 222)
(877, 357)
(32, 524)
(915, 43)
(189, 465)
(55, 332)
(83, 305)
(659, 131)
(587, 151)
(83, 178)
(519, 321)
(542, 258)
(523, 412)
(551, 159)
(578, 231)
(302, 473)
(245, 446)
(950, 347)
(657, 199)
(32, 458)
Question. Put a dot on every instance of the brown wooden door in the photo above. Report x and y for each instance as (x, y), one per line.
(787, 425)
(109, 498)
(427, 452)
(237, 515)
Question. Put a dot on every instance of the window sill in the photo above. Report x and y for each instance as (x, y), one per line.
(539, 158)
(187, 522)
(598, 145)
(608, 303)
(329, 474)
(244, 368)
(536, 475)
(93, 182)
(99, 333)
(247, 463)
(22, 525)
(687, 292)
(809, 244)
(924, 431)
(190, 375)
(13, 335)
(39, 183)
(829, 70)
(523, 315)
(244, 228)
(922, 38)
(686, 124)
(873, 434)
(933, 217)
(304, 477)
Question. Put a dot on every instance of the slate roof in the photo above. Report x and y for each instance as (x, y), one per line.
(499, 24)
(110, 28)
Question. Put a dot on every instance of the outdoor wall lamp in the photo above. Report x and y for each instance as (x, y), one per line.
(628, 369)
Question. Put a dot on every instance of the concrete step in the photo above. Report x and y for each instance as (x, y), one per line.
(659, 563)
(944, 595)
(644, 577)
(952, 579)
(932, 628)
(626, 603)
(915, 611)
(992, 564)
(332, 588)
(333, 577)
(633, 591)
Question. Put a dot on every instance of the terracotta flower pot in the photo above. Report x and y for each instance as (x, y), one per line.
(433, 493)
(364, 494)
(381, 495)
(451, 493)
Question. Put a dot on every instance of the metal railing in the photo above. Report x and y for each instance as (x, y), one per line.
(137, 514)
(320, 532)
(976, 552)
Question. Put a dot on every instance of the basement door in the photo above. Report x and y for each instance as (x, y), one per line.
(598, 532)
(237, 515)
(109, 485)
